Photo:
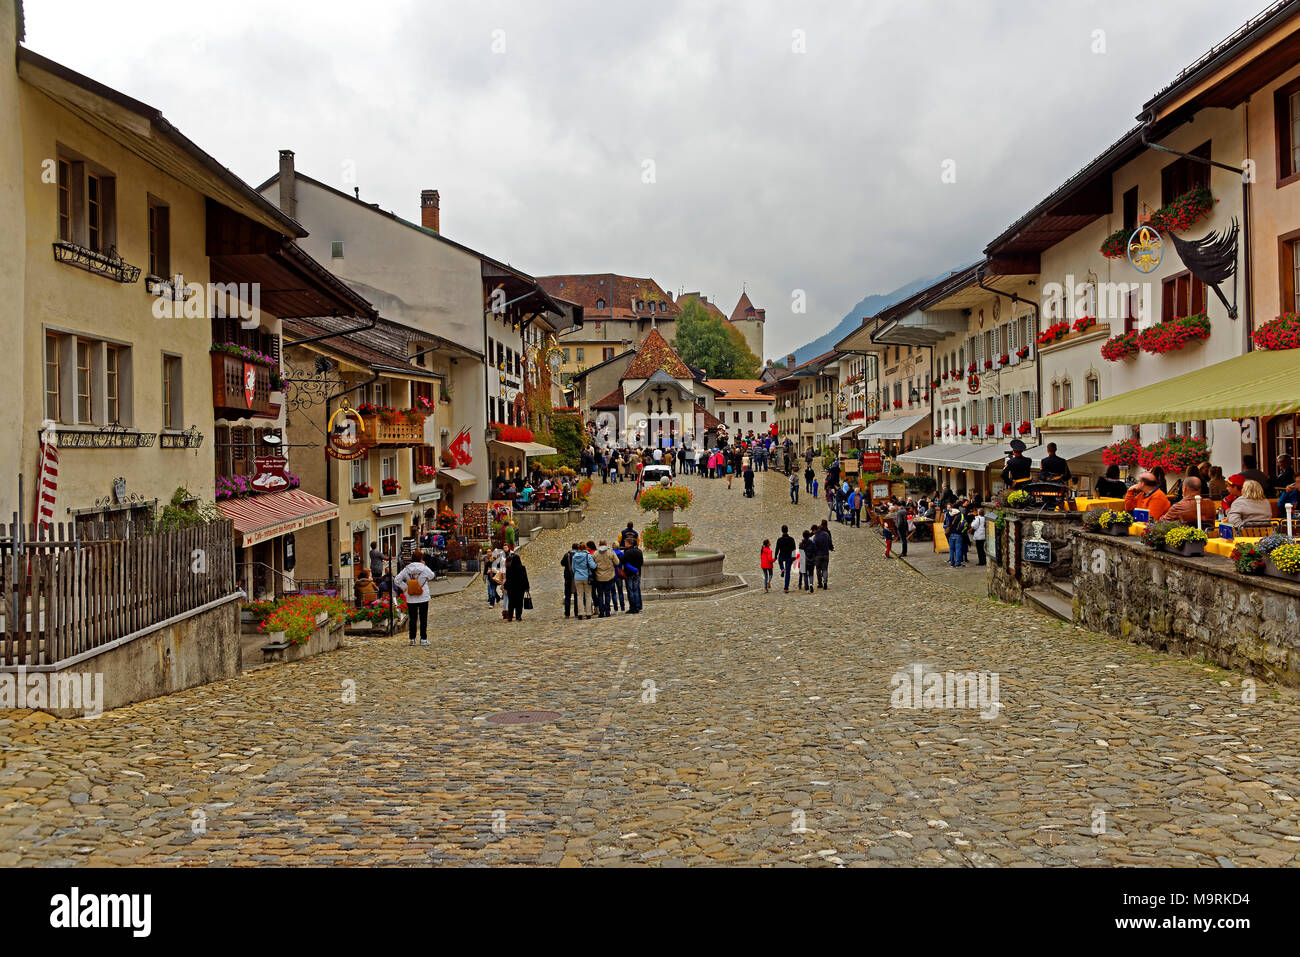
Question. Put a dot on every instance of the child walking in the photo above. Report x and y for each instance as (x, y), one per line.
(765, 562)
(890, 533)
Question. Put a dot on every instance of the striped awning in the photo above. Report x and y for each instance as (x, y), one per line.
(277, 513)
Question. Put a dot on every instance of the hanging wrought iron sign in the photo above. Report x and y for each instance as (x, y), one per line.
(342, 438)
(1145, 249)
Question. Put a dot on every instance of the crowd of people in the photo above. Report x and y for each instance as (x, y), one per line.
(1247, 498)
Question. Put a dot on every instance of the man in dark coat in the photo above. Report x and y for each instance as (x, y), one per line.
(749, 481)
(900, 522)
(823, 545)
(785, 546)
(633, 562)
(516, 586)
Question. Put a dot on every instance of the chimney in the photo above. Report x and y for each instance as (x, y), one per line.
(789, 361)
(288, 185)
(429, 209)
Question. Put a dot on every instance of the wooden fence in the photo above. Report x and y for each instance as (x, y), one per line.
(68, 591)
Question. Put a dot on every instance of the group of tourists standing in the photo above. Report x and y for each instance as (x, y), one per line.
(603, 579)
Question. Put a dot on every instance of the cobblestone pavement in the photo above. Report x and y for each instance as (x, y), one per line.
(766, 737)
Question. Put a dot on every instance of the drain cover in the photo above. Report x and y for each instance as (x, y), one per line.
(523, 717)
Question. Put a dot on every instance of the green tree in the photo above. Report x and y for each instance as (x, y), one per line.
(706, 342)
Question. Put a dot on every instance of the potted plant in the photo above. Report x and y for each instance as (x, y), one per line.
(1026, 427)
(1006, 428)
(1115, 523)
(1018, 499)
(988, 363)
(1283, 559)
(1023, 352)
(988, 429)
(1154, 535)
(1186, 540)
(390, 486)
(362, 490)
(425, 473)
(1248, 560)
(1092, 521)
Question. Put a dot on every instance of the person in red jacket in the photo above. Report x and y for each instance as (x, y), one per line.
(765, 562)
(1146, 494)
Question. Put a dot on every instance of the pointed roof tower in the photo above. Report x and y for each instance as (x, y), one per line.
(745, 309)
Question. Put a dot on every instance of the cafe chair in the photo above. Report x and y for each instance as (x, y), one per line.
(1256, 530)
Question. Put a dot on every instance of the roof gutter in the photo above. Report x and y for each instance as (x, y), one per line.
(1147, 120)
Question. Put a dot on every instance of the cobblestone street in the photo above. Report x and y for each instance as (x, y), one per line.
(767, 736)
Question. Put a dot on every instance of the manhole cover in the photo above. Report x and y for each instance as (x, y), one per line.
(523, 717)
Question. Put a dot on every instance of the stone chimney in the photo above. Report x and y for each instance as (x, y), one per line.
(429, 210)
(789, 361)
(288, 185)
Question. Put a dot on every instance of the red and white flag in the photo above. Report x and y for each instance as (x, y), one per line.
(47, 482)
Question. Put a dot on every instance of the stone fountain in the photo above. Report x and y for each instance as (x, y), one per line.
(671, 568)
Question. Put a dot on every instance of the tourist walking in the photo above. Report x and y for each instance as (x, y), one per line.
(808, 476)
(516, 587)
(606, 563)
(495, 573)
(414, 580)
(785, 549)
(804, 562)
(584, 573)
(979, 533)
(889, 530)
(376, 562)
(749, 481)
(765, 562)
(956, 536)
(900, 523)
(794, 490)
(825, 545)
(566, 563)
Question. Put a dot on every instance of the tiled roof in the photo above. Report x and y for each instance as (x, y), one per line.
(653, 354)
(376, 349)
(709, 307)
(619, 293)
(711, 421)
(611, 401)
(740, 389)
(744, 307)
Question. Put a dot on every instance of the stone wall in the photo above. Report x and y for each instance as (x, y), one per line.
(1011, 574)
(1189, 606)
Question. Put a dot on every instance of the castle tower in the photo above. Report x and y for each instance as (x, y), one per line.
(750, 323)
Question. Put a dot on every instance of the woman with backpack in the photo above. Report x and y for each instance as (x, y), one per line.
(414, 580)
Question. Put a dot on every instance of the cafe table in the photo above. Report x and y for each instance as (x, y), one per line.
(1224, 546)
(1083, 504)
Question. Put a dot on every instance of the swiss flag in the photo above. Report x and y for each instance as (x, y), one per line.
(250, 383)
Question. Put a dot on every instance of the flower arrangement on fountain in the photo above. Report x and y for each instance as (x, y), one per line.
(663, 535)
(1017, 498)
(1247, 559)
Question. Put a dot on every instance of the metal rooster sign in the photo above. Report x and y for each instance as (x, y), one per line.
(1212, 259)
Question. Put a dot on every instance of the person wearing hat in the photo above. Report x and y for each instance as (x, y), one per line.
(1053, 468)
(1018, 467)
(1235, 485)
(1146, 494)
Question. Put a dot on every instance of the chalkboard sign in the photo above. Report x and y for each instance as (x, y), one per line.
(1040, 553)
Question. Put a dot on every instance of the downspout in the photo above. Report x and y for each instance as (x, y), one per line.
(1038, 360)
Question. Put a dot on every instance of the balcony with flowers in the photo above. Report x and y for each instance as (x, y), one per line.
(387, 427)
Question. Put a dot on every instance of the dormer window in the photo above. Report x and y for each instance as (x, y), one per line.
(640, 305)
(600, 303)
(663, 307)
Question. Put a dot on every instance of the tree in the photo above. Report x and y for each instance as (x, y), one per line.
(706, 342)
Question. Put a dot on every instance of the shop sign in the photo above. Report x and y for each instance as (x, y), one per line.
(342, 435)
(871, 462)
(950, 394)
(268, 473)
(1145, 249)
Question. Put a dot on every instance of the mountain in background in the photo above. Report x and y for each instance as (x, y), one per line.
(867, 307)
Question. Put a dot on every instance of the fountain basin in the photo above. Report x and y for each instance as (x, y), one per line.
(690, 568)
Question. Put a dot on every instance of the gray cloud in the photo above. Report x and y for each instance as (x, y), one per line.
(817, 171)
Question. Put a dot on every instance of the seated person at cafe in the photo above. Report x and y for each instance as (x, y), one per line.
(1218, 484)
(1146, 494)
(1017, 469)
(1185, 509)
(1235, 482)
(1251, 508)
(1111, 485)
(364, 588)
(1054, 468)
(1285, 474)
(1290, 496)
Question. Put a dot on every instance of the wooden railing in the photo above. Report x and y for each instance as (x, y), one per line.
(228, 385)
(64, 595)
(401, 432)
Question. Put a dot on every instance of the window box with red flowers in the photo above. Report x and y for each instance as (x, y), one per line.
(857, 416)
(1006, 428)
(390, 486)
(362, 490)
(1115, 246)
(1023, 352)
(1084, 323)
(937, 433)
(1173, 335)
(1053, 333)
(426, 473)
(934, 383)
(1003, 359)
(1026, 428)
(988, 363)
(961, 431)
(1120, 347)
(1184, 212)
(988, 429)
(1280, 333)
(898, 403)
(972, 368)
(1122, 453)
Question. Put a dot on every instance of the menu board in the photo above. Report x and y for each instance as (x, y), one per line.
(1039, 553)
(474, 519)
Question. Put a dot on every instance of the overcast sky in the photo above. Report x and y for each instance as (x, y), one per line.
(795, 145)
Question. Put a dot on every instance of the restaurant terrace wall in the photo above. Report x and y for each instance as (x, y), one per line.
(1189, 606)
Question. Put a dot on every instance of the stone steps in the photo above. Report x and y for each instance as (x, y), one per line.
(1050, 601)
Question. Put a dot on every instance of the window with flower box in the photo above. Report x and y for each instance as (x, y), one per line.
(1286, 118)
(1181, 295)
(1184, 175)
(1289, 270)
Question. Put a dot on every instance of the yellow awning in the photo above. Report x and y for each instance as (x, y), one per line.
(1258, 383)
